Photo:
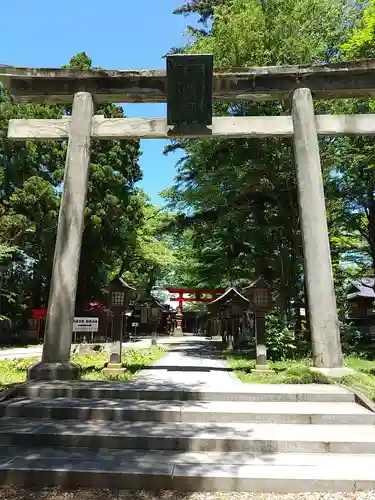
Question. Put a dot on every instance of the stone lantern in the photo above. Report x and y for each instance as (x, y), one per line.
(119, 296)
(260, 298)
(155, 314)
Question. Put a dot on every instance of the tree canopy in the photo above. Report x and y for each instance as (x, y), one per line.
(118, 229)
(237, 198)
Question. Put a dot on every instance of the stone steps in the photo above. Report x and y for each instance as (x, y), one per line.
(182, 436)
(149, 434)
(144, 389)
(187, 471)
(187, 411)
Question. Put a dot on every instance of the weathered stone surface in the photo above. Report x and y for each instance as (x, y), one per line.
(115, 358)
(54, 371)
(61, 303)
(168, 391)
(223, 126)
(356, 79)
(195, 437)
(325, 334)
(262, 370)
(114, 367)
(113, 370)
(334, 372)
(189, 411)
(115, 352)
(189, 471)
(86, 349)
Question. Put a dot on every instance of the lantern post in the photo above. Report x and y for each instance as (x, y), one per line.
(260, 298)
(155, 318)
(119, 296)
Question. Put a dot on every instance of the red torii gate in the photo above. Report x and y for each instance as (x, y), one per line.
(198, 292)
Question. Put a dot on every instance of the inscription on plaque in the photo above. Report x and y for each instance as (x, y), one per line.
(189, 100)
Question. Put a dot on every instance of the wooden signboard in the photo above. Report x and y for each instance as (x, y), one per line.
(189, 100)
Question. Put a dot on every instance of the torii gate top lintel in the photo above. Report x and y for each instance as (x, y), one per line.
(198, 292)
(328, 81)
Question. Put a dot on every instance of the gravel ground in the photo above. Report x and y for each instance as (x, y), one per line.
(12, 493)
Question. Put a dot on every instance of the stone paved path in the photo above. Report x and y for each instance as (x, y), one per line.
(192, 362)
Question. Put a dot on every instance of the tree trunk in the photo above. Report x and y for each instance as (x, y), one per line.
(371, 231)
(307, 332)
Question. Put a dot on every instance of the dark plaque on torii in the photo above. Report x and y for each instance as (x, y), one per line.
(189, 101)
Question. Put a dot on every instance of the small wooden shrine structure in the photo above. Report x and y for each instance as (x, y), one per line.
(229, 315)
(139, 323)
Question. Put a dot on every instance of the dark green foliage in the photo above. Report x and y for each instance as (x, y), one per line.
(237, 199)
(31, 174)
(203, 8)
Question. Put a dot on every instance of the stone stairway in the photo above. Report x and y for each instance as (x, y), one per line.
(187, 436)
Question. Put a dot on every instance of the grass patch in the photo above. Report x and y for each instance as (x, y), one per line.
(298, 372)
(362, 382)
(14, 371)
(286, 371)
(134, 360)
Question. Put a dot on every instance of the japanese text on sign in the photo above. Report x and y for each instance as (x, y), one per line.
(86, 324)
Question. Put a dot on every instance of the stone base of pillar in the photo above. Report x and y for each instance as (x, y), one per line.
(113, 370)
(154, 340)
(54, 371)
(334, 372)
(178, 331)
(262, 370)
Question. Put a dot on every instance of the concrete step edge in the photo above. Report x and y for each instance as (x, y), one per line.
(147, 391)
(136, 385)
(363, 462)
(264, 438)
(164, 411)
(188, 395)
(243, 430)
(185, 477)
(270, 407)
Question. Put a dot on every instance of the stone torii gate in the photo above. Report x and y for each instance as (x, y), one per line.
(191, 86)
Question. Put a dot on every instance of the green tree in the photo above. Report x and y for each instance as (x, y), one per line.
(113, 209)
(31, 175)
(351, 160)
(239, 198)
(28, 172)
(204, 8)
(360, 44)
(153, 255)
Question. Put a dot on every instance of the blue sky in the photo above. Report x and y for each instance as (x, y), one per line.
(116, 34)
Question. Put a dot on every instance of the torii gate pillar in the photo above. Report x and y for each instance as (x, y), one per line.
(325, 333)
(55, 363)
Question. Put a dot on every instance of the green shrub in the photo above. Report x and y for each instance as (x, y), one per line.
(303, 376)
(350, 338)
(280, 338)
